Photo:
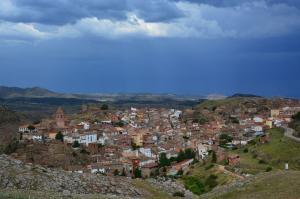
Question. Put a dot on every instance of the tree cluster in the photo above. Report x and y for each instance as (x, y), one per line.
(182, 155)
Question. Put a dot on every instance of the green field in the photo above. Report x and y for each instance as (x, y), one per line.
(275, 154)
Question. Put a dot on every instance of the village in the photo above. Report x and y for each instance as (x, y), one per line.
(147, 142)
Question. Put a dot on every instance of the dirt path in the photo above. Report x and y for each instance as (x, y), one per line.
(222, 168)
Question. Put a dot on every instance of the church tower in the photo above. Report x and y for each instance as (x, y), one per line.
(60, 118)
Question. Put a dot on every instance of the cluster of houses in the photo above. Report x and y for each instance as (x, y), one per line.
(134, 138)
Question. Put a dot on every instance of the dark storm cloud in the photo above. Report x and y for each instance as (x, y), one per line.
(69, 11)
(230, 3)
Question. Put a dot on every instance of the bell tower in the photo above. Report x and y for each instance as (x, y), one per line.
(60, 118)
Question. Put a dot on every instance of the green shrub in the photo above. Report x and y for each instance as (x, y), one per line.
(104, 107)
(75, 144)
(11, 147)
(137, 173)
(59, 136)
(194, 184)
(211, 181)
(268, 169)
(262, 162)
(178, 194)
(209, 167)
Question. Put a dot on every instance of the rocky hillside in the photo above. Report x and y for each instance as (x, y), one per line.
(15, 175)
(9, 121)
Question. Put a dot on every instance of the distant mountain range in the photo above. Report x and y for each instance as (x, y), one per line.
(244, 95)
(37, 92)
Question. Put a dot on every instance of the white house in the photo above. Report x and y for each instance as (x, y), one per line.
(102, 139)
(146, 152)
(257, 128)
(88, 138)
(97, 170)
(37, 137)
(86, 125)
(258, 120)
(145, 162)
(24, 129)
(202, 151)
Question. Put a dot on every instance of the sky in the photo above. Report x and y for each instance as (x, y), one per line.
(191, 47)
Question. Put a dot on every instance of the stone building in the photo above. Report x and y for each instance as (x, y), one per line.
(60, 118)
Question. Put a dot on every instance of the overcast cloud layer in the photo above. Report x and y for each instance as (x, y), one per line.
(44, 19)
(174, 46)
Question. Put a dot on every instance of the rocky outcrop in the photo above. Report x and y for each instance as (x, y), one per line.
(14, 174)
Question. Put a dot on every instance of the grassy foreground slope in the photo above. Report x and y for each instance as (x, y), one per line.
(275, 185)
(275, 154)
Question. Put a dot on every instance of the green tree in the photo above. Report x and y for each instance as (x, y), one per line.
(194, 184)
(296, 116)
(59, 136)
(137, 173)
(104, 107)
(189, 154)
(75, 144)
(180, 156)
(119, 124)
(224, 139)
(31, 128)
(163, 160)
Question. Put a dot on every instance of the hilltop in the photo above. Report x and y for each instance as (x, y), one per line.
(13, 92)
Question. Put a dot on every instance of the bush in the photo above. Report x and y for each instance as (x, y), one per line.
(211, 181)
(178, 194)
(59, 136)
(262, 162)
(268, 169)
(209, 167)
(104, 107)
(163, 160)
(75, 144)
(195, 185)
(252, 142)
(246, 150)
(137, 173)
(83, 151)
(11, 147)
